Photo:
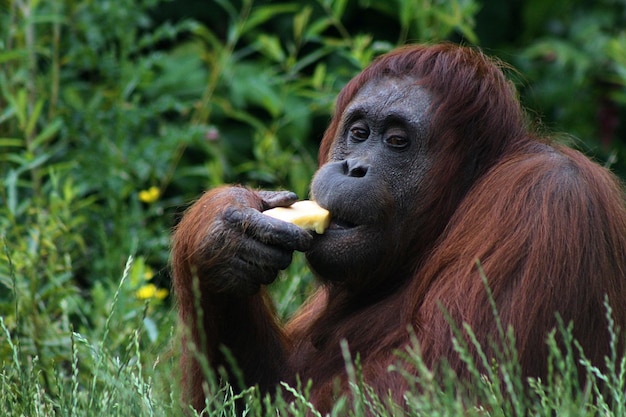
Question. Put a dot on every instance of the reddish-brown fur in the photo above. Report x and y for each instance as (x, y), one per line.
(547, 224)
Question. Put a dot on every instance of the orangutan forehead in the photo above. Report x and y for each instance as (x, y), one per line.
(399, 96)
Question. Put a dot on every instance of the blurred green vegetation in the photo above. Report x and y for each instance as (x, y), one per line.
(114, 115)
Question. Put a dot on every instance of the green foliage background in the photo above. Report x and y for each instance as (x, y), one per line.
(105, 101)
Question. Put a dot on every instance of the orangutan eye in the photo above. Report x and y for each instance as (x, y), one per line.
(397, 142)
(359, 134)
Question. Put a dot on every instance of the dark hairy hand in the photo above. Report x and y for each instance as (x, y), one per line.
(244, 248)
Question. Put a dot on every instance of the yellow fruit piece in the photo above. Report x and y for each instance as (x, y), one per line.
(306, 214)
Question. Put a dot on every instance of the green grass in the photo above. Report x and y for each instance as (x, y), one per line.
(82, 375)
(105, 373)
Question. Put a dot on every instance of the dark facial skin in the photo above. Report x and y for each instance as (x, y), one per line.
(372, 182)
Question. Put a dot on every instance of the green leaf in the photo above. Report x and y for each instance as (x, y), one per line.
(49, 132)
(34, 116)
(12, 55)
(319, 75)
(270, 46)
(316, 28)
(9, 142)
(263, 14)
(300, 22)
(339, 7)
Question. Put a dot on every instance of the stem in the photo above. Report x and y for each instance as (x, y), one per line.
(203, 111)
(343, 32)
(30, 36)
(56, 65)
(37, 279)
(9, 40)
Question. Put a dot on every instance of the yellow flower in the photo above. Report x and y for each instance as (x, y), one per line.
(151, 291)
(150, 195)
